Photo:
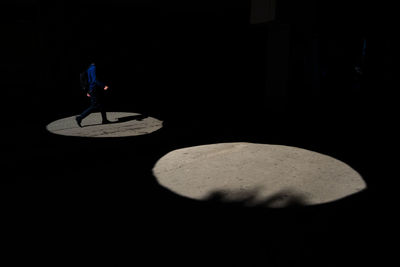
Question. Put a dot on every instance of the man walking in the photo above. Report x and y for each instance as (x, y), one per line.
(96, 93)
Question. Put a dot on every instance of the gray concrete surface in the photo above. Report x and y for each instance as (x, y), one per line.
(262, 174)
(122, 124)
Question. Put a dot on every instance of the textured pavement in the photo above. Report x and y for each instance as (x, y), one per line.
(272, 174)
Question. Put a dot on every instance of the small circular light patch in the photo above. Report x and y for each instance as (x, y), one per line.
(122, 124)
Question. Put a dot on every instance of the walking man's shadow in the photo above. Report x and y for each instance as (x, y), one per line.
(139, 117)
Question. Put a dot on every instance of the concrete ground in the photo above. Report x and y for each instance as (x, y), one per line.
(261, 174)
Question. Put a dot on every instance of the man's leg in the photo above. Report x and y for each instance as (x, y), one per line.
(104, 116)
(103, 111)
(90, 109)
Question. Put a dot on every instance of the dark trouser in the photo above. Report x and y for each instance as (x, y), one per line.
(96, 104)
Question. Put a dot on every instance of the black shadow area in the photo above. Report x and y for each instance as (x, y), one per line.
(123, 119)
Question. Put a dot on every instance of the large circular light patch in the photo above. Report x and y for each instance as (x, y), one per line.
(259, 174)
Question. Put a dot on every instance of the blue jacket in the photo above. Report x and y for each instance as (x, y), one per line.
(92, 79)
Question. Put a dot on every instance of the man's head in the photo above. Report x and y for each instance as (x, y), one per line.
(90, 59)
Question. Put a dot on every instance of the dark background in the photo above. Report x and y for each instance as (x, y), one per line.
(212, 76)
(196, 57)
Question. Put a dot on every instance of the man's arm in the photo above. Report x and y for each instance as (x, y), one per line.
(102, 85)
(105, 88)
(93, 76)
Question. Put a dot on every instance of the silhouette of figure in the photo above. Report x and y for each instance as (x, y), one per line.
(96, 93)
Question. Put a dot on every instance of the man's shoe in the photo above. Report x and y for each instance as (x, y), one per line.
(106, 122)
(78, 121)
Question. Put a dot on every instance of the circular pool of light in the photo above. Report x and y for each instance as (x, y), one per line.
(257, 174)
(122, 124)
